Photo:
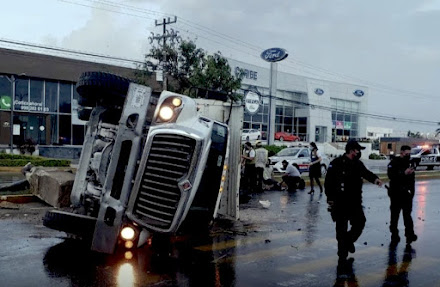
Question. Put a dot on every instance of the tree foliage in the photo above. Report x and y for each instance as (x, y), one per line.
(417, 135)
(188, 66)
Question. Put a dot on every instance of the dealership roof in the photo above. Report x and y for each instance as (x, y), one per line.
(55, 67)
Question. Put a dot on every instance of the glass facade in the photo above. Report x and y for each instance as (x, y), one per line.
(42, 112)
(285, 116)
(345, 119)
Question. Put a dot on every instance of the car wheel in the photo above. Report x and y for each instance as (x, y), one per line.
(247, 138)
(84, 113)
(281, 139)
(323, 170)
(258, 137)
(430, 167)
(103, 87)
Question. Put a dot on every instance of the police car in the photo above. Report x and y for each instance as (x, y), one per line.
(299, 157)
(425, 156)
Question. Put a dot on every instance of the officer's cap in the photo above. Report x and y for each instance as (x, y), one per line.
(352, 144)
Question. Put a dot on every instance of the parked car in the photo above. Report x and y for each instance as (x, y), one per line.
(298, 157)
(250, 135)
(283, 136)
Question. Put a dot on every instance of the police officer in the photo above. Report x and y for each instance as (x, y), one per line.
(343, 187)
(401, 193)
(248, 159)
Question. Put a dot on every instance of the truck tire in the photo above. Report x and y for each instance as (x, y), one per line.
(84, 113)
(71, 223)
(101, 86)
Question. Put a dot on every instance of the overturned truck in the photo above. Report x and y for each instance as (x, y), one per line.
(150, 164)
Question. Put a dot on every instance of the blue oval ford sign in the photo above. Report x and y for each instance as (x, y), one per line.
(358, 93)
(319, 92)
(274, 55)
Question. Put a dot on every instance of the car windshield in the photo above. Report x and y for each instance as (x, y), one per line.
(415, 150)
(288, 152)
(245, 131)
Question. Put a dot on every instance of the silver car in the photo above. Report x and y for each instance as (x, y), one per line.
(250, 135)
(299, 157)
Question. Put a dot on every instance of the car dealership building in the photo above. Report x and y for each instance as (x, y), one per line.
(38, 101)
(315, 110)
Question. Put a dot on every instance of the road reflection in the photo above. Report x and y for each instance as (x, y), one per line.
(179, 265)
(397, 274)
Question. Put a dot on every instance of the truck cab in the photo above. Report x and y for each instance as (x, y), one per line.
(149, 163)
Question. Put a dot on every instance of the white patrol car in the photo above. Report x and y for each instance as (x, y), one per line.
(425, 156)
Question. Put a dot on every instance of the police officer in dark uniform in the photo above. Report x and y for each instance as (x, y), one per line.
(401, 193)
(343, 187)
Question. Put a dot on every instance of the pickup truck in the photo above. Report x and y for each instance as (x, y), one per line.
(428, 157)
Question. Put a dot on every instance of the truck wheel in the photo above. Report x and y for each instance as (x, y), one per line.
(84, 113)
(101, 86)
(76, 224)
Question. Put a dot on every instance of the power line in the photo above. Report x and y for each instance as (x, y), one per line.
(371, 115)
(26, 44)
(258, 49)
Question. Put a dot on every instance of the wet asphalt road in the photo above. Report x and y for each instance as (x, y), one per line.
(292, 243)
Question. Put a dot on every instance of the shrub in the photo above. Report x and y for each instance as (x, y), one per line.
(375, 156)
(36, 161)
(273, 149)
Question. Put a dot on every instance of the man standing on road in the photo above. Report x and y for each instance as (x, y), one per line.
(343, 187)
(261, 155)
(401, 193)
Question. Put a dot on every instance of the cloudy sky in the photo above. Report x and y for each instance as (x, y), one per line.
(392, 47)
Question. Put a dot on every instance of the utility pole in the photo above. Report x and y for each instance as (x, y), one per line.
(162, 41)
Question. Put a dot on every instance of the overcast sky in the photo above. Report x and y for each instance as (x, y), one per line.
(392, 47)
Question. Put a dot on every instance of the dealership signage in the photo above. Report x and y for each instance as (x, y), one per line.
(358, 93)
(274, 55)
(245, 73)
(30, 106)
(319, 92)
(252, 102)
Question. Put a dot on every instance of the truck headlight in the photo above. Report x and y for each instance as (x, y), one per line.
(128, 233)
(166, 113)
(169, 109)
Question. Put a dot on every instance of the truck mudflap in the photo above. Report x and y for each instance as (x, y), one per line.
(122, 168)
(78, 225)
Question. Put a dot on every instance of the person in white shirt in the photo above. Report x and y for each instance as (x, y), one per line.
(269, 182)
(261, 157)
(291, 177)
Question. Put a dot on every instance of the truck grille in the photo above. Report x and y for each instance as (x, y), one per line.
(168, 161)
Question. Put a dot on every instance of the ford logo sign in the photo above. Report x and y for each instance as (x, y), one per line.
(319, 92)
(358, 93)
(274, 55)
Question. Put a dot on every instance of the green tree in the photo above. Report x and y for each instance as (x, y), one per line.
(188, 66)
(414, 135)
